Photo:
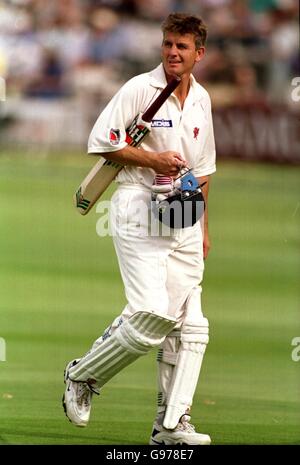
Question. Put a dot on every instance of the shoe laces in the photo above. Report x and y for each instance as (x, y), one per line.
(185, 425)
(83, 395)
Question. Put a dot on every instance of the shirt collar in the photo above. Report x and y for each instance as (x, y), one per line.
(158, 80)
(158, 77)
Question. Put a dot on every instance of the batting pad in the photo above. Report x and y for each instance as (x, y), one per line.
(166, 358)
(194, 339)
(133, 338)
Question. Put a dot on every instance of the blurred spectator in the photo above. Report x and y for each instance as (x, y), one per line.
(108, 36)
(92, 46)
(284, 43)
(260, 6)
(49, 82)
(247, 92)
(153, 10)
(20, 50)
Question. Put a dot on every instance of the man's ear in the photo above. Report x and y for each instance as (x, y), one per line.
(200, 54)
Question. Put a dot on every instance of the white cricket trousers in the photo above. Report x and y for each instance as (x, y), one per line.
(160, 270)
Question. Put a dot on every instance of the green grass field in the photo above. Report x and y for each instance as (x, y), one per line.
(60, 287)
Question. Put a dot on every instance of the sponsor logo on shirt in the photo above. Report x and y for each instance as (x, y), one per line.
(161, 123)
(114, 136)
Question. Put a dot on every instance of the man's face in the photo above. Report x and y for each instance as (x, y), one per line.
(179, 53)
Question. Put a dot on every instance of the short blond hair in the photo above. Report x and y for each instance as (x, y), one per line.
(182, 23)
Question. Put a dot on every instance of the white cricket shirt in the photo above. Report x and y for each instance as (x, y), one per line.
(188, 131)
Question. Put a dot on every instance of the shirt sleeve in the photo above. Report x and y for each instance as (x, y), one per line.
(207, 160)
(109, 131)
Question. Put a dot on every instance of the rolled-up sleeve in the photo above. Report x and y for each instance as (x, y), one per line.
(109, 131)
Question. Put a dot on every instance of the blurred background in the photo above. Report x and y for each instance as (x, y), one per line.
(62, 60)
(60, 287)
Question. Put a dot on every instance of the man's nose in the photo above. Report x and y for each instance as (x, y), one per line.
(173, 50)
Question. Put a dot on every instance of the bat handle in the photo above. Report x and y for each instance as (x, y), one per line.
(166, 92)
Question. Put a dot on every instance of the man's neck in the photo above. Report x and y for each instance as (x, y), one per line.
(182, 90)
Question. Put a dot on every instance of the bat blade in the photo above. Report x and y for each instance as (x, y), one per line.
(94, 184)
(105, 171)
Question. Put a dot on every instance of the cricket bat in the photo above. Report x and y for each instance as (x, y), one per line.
(105, 171)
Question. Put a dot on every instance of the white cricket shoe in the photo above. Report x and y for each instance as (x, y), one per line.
(77, 398)
(184, 433)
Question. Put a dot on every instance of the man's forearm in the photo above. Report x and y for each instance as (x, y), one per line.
(205, 190)
(131, 156)
(168, 162)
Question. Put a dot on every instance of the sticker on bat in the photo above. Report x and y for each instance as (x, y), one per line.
(81, 202)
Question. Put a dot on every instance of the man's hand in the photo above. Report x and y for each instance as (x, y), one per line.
(168, 163)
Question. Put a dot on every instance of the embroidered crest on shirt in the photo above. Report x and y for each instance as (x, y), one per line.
(196, 133)
(114, 136)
